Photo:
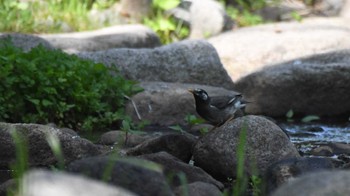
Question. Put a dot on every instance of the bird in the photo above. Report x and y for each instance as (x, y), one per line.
(220, 109)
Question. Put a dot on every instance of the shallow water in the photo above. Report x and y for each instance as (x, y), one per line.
(317, 132)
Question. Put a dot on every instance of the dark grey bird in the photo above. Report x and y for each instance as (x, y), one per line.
(217, 110)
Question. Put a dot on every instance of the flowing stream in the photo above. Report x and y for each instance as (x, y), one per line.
(318, 132)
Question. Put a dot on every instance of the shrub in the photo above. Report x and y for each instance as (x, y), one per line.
(44, 86)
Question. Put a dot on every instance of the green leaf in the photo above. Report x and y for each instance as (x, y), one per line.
(176, 128)
(125, 125)
(166, 4)
(193, 120)
(46, 102)
(290, 114)
(34, 101)
(166, 25)
(310, 118)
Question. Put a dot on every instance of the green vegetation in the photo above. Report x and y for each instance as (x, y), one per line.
(194, 120)
(56, 148)
(305, 119)
(44, 86)
(73, 15)
(21, 165)
(129, 127)
(44, 16)
(177, 128)
(241, 183)
(167, 28)
(244, 12)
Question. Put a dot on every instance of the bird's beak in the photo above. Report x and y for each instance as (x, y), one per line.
(191, 91)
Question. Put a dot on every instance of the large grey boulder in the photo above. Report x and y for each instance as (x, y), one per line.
(175, 167)
(317, 85)
(178, 145)
(288, 169)
(122, 138)
(265, 143)
(191, 61)
(137, 175)
(168, 103)
(288, 9)
(39, 151)
(324, 183)
(24, 41)
(121, 36)
(198, 189)
(43, 183)
(246, 50)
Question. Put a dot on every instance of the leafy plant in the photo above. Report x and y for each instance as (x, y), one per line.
(47, 16)
(256, 183)
(129, 127)
(296, 16)
(165, 26)
(15, 15)
(193, 120)
(44, 86)
(243, 12)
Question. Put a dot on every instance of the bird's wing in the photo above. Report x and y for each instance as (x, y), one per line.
(223, 101)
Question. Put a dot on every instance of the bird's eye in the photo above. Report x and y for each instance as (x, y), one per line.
(204, 96)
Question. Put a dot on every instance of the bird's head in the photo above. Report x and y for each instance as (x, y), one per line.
(200, 95)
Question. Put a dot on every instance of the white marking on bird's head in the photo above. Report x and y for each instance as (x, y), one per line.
(202, 94)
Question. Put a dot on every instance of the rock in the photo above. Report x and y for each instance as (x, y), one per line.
(68, 131)
(287, 170)
(5, 174)
(118, 137)
(322, 151)
(25, 41)
(174, 167)
(345, 12)
(137, 175)
(190, 61)
(256, 47)
(198, 189)
(265, 143)
(43, 183)
(283, 10)
(319, 183)
(328, 7)
(200, 129)
(7, 187)
(288, 9)
(39, 152)
(331, 149)
(168, 103)
(317, 83)
(177, 145)
(195, 13)
(121, 36)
